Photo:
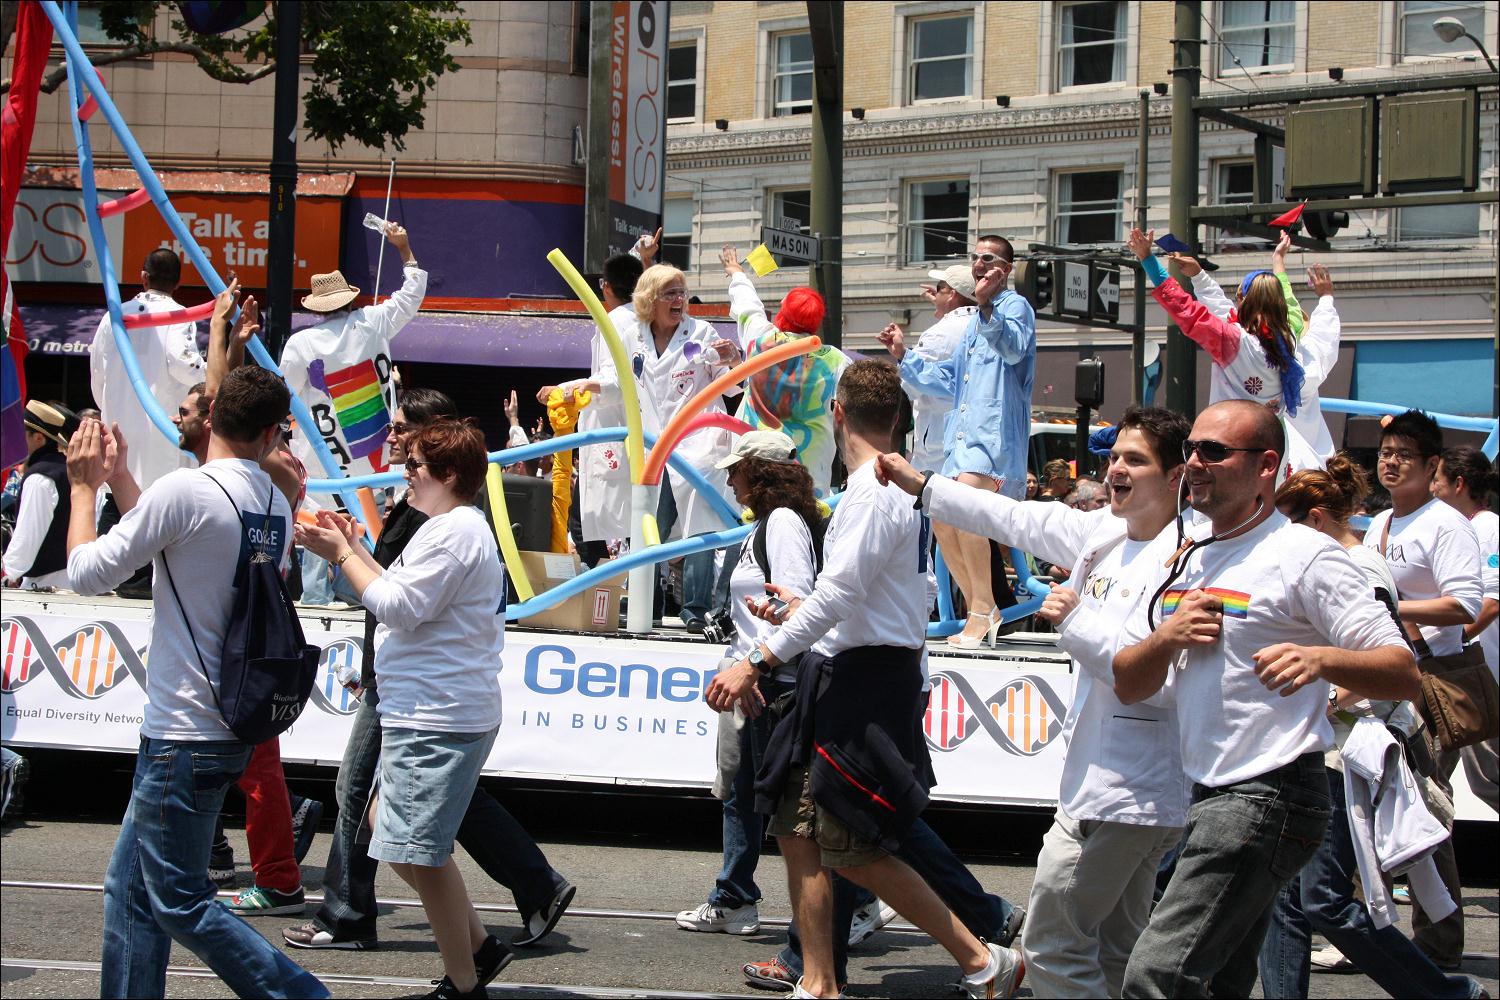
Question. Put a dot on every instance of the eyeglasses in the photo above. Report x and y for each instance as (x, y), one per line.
(402, 428)
(673, 293)
(417, 463)
(1401, 456)
(1210, 451)
(988, 258)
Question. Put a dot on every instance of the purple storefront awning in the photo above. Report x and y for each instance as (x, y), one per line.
(495, 339)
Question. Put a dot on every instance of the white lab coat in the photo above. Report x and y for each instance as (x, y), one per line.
(667, 381)
(171, 364)
(341, 369)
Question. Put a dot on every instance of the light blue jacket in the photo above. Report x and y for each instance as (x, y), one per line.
(987, 381)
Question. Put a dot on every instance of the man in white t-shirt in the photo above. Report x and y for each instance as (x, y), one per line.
(157, 890)
(862, 637)
(1254, 621)
(1433, 554)
(1122, 802)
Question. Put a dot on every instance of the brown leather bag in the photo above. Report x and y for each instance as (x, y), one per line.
(1460, 699)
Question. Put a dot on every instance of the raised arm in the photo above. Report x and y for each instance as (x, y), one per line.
(403, 305)
(1220, 338)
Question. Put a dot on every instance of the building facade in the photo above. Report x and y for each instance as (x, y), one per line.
(1022, 119)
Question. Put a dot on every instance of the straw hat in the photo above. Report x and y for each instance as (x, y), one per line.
(330, 292)
(53, 421)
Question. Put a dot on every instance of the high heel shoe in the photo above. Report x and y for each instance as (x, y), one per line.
(962, 641)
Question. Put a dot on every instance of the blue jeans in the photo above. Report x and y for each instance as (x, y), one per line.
(1321, 898)
(491, 835)
(1243, 843)
(983, 913)
(697, 569)
(744, 828)
(316, 586)
(157, 890)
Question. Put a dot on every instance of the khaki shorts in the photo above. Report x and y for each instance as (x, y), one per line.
(797, 815)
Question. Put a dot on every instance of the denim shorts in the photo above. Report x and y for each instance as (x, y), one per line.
(426, 781)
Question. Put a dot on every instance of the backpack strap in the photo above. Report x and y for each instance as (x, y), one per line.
(758, 546)
(182, 609)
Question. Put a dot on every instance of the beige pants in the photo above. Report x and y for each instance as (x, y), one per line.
(1089, 903)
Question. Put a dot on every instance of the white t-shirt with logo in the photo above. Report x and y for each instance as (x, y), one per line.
(1433, 552)
(1279, 583)
(877, 582)
(185, 522)
(441, 609)
(1487, 528)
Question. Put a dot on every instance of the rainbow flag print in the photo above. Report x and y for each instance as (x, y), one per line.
(358, 405)
(1236, 603)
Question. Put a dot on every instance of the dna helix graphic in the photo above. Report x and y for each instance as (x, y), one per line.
(1023, 717)
(87, 663)
(95, 658)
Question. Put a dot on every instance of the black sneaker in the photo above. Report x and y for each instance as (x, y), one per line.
(540, 924)
(1012, 928)
(447, 991)
(490, 959)
(305, 820)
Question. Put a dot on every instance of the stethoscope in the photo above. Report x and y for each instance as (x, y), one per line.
(1186, 547)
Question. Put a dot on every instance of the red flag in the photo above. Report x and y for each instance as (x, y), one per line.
(17, 118)
(1288, 219)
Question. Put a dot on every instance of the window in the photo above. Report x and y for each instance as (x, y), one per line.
(1254, 33)
(937, 220)
(1418, 38)
(792, 79)
(581, 53)
(677, 232)
(91, 28)
(1091, 44)
(939, 58)
(1088, 207)
(682, 82)
(1438, 222)
(792, 205)
(1234, 184)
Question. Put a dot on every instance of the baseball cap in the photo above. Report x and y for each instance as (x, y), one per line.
(768, 446)
(959, 277)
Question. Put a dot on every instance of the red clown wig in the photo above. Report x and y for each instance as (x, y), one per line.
(801, 311)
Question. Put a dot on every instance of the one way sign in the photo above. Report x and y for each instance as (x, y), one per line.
(1106, 282)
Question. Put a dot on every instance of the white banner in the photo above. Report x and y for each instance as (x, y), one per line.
(576, 707)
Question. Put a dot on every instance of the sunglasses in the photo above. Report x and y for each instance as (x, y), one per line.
(1210, 451)
(988, 258)
(417, 463)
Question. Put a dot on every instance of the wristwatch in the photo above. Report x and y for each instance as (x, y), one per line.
(757, 659)
(922, 493)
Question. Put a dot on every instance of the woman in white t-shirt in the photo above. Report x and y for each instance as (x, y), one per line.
(441, 614)
(777, 490)
(1321, 897)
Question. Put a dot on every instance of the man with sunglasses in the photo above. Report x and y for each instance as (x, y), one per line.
(1433, 553)
(987, 384)
(1121, 803)
(1254, 621)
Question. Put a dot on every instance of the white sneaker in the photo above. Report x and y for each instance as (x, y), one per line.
(869, 919)
(1330, 959)
(718, 920)
(1001, 978)
(798, 993)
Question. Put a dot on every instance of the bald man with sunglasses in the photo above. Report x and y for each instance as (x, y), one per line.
(1257, 617)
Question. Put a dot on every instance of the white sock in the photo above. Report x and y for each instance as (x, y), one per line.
(990, 970)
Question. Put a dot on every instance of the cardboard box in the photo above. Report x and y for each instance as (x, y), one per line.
(596, 609)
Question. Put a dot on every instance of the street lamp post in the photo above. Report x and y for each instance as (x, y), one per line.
(1451, 29)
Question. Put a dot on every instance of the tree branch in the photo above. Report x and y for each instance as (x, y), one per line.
(217, 68)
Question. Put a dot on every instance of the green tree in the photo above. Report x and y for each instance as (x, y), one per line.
(373, 61)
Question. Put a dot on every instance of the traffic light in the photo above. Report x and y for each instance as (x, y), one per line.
(1034, 282)
(1323, 225)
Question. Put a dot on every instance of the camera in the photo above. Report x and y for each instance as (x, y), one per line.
(718, 627)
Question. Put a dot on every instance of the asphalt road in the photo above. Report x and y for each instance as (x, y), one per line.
(635, 862)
